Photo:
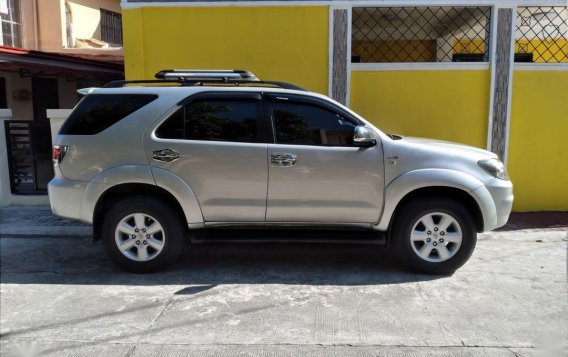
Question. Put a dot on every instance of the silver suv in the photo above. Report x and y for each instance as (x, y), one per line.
(149, 164)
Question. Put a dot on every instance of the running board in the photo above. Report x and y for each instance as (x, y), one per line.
(241, 235)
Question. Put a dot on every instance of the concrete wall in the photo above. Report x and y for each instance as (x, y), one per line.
(51, 29)
(538, 148)
(442, 104)
(27, 8)
(276, 43)
(292, 44)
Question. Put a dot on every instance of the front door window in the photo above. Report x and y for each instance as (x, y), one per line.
(306, 124)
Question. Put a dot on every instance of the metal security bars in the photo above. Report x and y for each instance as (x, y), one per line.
(29, 156)
(542, 34)
(420, 34)
(111, 27)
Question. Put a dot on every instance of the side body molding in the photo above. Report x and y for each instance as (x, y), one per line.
(404, 184)
(141, 174)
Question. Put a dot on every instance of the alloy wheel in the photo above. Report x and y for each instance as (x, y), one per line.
(436, 237)
(140, 237)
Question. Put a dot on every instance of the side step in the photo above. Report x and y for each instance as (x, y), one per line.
(280, 235)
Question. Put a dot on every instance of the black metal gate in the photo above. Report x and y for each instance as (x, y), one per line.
(29, 156)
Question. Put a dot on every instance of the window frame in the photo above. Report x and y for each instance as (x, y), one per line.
(262, 129)
(14, 21)
(271, 98)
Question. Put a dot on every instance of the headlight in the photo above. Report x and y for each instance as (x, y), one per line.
(494, 167)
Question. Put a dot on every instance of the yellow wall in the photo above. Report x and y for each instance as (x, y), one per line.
(450, 105)
(538, 143)
(275, 43)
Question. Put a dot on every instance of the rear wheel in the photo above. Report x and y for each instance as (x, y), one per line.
(142, 234)
(434, 235)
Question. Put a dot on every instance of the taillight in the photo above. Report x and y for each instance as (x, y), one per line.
(58, 153)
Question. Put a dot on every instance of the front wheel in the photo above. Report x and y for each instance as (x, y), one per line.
(434, 235)
(142, 234)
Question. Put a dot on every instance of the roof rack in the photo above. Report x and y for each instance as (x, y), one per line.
(207, 75)
(191, 77)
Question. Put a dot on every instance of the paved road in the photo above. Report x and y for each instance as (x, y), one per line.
(63, 297)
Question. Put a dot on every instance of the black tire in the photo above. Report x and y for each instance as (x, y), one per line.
(410, 215)
(171, 236)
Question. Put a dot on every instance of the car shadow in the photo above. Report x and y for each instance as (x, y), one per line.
(204, 266)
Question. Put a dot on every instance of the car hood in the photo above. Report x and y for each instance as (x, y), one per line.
(450, 146)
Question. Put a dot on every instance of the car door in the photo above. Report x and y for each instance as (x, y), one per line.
(215, 143)
(316, 174)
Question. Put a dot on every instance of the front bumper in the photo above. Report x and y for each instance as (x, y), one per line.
(501, 192)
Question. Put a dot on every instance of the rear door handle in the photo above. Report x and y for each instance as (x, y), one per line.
(166, 155)
(282, 159)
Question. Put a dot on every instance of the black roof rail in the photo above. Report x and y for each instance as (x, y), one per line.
(122, 83)
(190, 77)
(283, 85)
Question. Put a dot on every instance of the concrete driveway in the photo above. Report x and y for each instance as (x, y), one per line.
(63, 297)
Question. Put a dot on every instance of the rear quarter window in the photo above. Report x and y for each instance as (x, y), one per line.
(97, 112)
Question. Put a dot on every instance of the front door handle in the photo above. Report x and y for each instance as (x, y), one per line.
(282, 159)
(166, 155)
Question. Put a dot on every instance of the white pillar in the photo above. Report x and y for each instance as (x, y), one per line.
(5, 192)
(57, 117)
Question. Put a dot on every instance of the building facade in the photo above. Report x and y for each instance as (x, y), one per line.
(493, 75)
(48, 50)
(71, 28)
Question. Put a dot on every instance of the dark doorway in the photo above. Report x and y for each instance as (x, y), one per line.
(45, 96)
(3, 93)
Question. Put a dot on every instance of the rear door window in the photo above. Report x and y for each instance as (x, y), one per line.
(231, 119)
(97, 112)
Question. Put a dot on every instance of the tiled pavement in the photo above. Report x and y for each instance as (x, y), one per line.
(34, 221)
(33, 215)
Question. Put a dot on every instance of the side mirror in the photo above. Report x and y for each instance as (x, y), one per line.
(364, 136)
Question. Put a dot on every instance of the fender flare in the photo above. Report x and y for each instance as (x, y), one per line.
(182, 193)
(408, 182)
(141, 174)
